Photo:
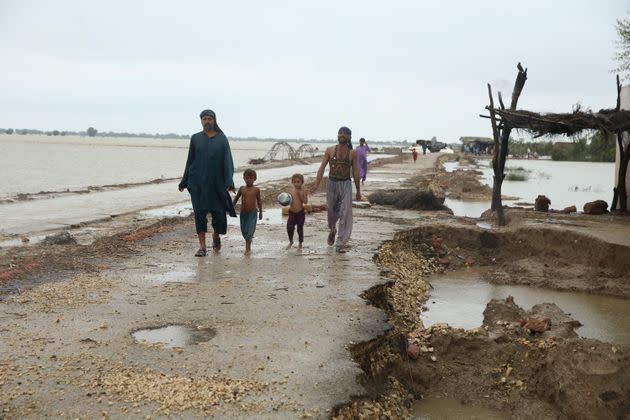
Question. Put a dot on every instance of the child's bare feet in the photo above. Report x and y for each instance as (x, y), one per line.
(299, 246)
(290, 245)
(248, 247)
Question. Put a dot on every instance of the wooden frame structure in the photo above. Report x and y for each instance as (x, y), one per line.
(504, 120)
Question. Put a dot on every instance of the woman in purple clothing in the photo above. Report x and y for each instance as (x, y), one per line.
(362, 152)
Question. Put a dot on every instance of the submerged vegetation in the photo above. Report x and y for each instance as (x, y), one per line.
(516, 175)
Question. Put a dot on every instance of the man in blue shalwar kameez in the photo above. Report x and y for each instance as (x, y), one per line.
(208, 178)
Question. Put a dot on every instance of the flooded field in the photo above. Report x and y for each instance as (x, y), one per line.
(109, 167)
(565, 183)
(38, 163)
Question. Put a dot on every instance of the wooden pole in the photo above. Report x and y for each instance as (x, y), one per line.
(495, 150)
(521, 77)
(620, 195)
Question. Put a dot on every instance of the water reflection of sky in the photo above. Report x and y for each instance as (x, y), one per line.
(460, 298)
(565, 183)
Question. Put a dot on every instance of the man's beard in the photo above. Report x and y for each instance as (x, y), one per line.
(208, 126)
(342, 140)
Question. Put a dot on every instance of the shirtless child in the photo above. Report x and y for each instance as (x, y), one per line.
(299, 197)
(251, 198)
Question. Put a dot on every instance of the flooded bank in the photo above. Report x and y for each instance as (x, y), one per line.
(565, 183)
(459, 299)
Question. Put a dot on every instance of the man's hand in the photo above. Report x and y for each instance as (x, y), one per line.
(358, 195)
(180, 188)
(260, 215)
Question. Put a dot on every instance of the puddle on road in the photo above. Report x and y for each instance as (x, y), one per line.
(174, 335)
(467, 208)
(175, 276)
(460, 299)
(273, 216)
(434, 408)
(484, 225)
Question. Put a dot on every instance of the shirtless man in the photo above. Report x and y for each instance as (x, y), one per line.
(343, 166)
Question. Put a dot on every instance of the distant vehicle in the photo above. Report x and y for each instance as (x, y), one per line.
(432, 145)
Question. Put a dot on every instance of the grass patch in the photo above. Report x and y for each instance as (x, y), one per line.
(517, 173)
(516, 176)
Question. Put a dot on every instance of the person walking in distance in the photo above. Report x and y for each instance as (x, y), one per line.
(208, 179)
(362, 151)
(343, 167)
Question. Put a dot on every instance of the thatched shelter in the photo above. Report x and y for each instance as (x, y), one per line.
(504, 119)
(609, 120)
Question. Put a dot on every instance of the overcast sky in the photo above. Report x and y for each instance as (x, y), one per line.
(292, 69)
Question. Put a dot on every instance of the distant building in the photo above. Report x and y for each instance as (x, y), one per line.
(477, 145)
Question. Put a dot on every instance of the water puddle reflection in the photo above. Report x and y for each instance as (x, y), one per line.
(174, 276)
(174, 335)
(434, 408)
(460, 299)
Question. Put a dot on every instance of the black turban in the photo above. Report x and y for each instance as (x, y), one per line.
(210, 113)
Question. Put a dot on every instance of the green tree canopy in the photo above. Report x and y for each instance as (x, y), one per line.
(623, 47)
(91, 132)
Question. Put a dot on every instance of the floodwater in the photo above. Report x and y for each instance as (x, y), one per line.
(40, 163)
(565, 183)
(439, 408)
(174, 335)
(460, 298)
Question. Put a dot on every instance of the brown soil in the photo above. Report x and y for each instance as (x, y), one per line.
(500, 365)
(460, 184)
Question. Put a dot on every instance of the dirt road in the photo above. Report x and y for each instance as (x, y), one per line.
(270, 333)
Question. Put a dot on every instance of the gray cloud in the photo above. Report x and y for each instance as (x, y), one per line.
(400, 70)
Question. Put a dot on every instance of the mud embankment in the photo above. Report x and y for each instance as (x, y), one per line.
(541, 257)
(501, 365)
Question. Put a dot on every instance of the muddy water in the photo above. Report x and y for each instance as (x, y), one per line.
(460, 299)
(565, 183)
(174, 335)
(39, 163)
(435, 408)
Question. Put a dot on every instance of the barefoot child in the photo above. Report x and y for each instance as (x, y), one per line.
(251, 198)
(299, 197)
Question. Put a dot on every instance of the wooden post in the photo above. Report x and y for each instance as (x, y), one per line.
(620, 195)
(521, 77)
(495, 151)
(624, 158)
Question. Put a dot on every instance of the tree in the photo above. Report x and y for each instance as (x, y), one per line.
(91, 132)
(623, 46)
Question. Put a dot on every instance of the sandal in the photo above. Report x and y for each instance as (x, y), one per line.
(200, 253)
(341, 249)
(216, 244)
(331, 236)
